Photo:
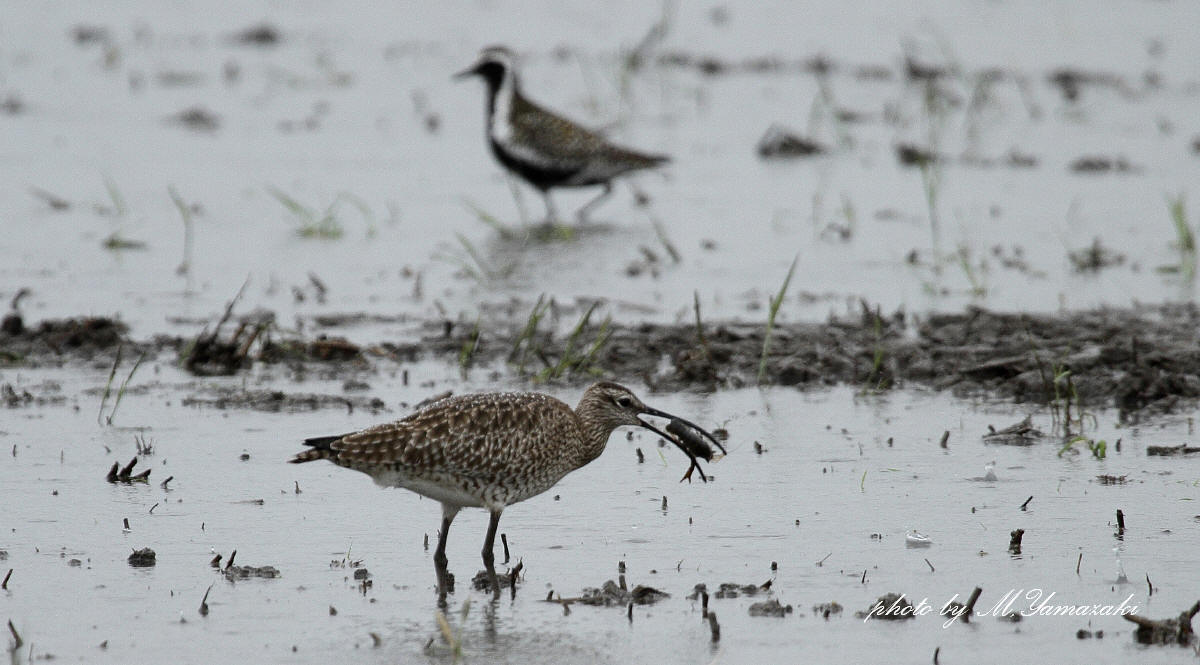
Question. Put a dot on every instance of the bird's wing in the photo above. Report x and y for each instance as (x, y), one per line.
(483, 436)
(546, 138)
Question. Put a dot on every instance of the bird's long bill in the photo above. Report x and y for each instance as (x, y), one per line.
(467, 73)
(692, 449)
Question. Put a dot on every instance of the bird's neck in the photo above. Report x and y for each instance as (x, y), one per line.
(595, 433)
(503, 92)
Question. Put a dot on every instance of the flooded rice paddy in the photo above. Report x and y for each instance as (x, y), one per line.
(996, 226)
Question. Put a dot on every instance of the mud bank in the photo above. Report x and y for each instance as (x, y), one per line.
(1140, 360)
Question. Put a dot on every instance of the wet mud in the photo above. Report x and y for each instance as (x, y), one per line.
(1138, 360)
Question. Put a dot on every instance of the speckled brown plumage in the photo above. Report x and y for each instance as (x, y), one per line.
(488, 450)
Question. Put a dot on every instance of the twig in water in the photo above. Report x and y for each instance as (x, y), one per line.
(124, 385)
(944, 443)
(1014, 542)
(930, 565)
(1023, 505)
(108, 386)
(16, 637)
(970, 608)
(204, 602)
(666, 242)
(1078, 562)
(1120, 521)
(714, 626)
(4, 585)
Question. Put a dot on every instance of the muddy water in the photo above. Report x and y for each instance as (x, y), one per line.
(828, 488)
(358, 103)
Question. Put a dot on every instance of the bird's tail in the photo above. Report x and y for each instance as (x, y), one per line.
(321, 448)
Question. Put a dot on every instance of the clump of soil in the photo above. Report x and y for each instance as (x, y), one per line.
(235, 573)
(58, 339)
(1139, 360)
(889, 607)
(770, 608)
(142, 558)
(610, 594)
(783, 143)
(229, 397)
(1176, 630)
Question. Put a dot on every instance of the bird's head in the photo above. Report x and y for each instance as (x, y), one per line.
(609, 406)
(493, 64)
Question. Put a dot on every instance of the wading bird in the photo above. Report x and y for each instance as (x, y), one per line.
(543, 148)
(491, 450)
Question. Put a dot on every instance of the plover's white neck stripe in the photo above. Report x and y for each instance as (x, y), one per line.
(500, 123)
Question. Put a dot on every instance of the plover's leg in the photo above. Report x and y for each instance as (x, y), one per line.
(551, 211)
(516, 193)
(489, 558)
(587, 208)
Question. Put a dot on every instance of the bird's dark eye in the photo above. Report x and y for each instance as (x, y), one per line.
(624, 402)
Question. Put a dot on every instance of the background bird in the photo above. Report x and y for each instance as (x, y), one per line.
(491, 450)
(543, 148)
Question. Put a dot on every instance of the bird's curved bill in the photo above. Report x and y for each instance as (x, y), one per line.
(687, 436)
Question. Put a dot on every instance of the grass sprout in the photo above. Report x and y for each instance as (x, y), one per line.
(773, 310)
(327, 223)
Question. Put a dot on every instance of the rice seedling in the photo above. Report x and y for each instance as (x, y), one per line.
(526, 341)
(473, 264)
(119, 210)
(1185, 239)
(1099, 449)
(501, 229)
(573, 358)
(772, 311)
(876, 381)
(662, 238)
(108, 420)
(327, 223)
(185, 213)
(468, 350)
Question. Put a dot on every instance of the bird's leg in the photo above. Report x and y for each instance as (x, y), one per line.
(489, 558)
(445, 581)
(587, 208)
(551, 211)
(516, 193)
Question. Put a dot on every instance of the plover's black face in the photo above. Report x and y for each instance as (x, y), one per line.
(493, 64)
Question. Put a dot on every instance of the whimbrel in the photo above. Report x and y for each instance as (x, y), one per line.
(544, 148)
(491, 450)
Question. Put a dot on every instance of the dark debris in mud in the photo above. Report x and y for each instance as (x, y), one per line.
(1139, 360)
(612, 594)
(889, 607)
(235, 572)
(1176, 630)
(142, 558)
(779, 142)
(124, 474)
(57, 340)
(228, 397)
(769, 608)
(1018, 434)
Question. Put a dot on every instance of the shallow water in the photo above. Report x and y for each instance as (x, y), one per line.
(828, 488)
(342, 106)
